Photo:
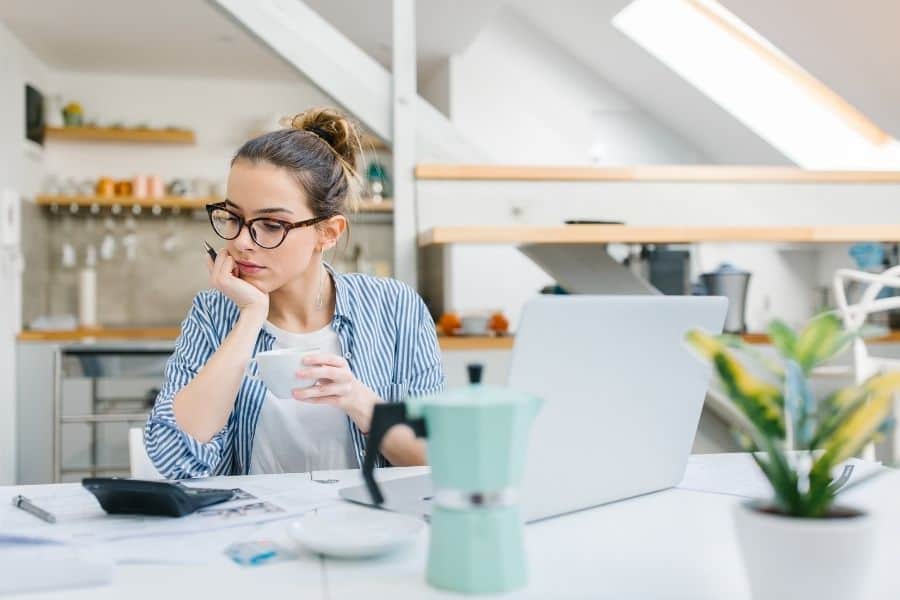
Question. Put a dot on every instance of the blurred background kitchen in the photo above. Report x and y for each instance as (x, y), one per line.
(118, 119)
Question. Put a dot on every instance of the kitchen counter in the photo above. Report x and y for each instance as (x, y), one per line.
(132, 335)
(100, 333)
(135, 334)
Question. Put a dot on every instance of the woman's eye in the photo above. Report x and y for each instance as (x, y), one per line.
(270, 226)
(224, 217)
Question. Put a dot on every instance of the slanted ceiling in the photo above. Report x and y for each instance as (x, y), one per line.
(853, 47)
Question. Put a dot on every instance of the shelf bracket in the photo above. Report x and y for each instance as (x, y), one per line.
(586, 269)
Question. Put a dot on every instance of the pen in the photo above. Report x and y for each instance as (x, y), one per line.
(31, 508)
(210, 251)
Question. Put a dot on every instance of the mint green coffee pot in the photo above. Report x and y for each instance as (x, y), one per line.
(477, 441)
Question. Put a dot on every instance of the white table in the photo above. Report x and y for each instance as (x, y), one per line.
(672, 544)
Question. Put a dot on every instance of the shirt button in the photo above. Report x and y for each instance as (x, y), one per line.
(347, 355)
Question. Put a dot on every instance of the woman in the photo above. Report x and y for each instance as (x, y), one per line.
(287, 196)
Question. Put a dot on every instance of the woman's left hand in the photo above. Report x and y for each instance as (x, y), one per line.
(336, 385)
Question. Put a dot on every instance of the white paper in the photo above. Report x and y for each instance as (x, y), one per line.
(739, 475)
(41, 564)
(81, 519)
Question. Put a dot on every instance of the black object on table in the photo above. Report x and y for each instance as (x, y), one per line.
(475, 371)
(140, 497)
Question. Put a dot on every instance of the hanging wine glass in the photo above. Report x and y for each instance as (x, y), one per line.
(108, 244)
(130, 241)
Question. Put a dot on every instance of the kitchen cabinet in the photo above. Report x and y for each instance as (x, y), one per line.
(76, 402)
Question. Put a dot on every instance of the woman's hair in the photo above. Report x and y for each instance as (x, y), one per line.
(320, 148)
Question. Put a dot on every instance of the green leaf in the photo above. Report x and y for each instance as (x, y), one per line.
(767, 363)
(821, 493)
(833, 411)
(784, 481)
(862, 423)
(783, 338)
(760, 402)
(774, 466)
(798, 405)
(775, 478)
(821, 339)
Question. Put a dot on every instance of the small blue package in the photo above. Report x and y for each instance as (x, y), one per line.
(258, 552)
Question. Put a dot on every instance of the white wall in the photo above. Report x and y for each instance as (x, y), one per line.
(435, 87)
(18, 168)
(525, 100)
(223, 113)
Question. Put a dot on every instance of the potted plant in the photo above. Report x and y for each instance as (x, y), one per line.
(800, 543)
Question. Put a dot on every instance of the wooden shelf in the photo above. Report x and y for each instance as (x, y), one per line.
(103, 201)
(104, 333)
(170, 333)
(366, 206)
(674, 173)
(385, 206)
(506, 342)
(459, 342)
(602, 234)
(106, 134)
(891, 337)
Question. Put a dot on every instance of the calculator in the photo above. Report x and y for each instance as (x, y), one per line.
(140, 497)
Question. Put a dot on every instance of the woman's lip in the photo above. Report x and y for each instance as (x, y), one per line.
(248, 265)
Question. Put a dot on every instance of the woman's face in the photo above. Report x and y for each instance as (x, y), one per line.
(264, 190)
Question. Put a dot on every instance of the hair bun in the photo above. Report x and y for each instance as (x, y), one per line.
(334, 128)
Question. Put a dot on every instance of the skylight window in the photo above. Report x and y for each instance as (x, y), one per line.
(738, 69)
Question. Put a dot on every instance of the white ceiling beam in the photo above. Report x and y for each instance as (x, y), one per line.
(346, 73)
(404, 135)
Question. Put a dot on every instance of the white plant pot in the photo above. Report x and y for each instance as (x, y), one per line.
(786, 558)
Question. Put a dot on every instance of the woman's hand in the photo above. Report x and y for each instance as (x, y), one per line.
(223, 275)
(336, 385)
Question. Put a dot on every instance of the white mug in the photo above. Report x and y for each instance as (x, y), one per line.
(278, 370)
(474, 324)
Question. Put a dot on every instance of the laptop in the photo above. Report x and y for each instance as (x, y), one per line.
(622, 400)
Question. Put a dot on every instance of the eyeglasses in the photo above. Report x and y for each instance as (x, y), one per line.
(266, 232)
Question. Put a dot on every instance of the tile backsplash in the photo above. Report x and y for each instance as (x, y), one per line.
(156, 287)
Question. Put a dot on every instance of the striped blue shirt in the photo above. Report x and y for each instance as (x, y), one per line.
(387, 335)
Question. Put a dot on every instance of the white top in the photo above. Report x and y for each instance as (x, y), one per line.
(297, 437)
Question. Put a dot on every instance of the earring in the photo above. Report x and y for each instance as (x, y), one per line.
(319, 295)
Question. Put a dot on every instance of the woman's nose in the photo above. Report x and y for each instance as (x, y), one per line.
(244, 241)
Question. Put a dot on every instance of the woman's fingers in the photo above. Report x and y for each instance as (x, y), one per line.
(231, 267)
(324, 390)
(325, 359)
(217, 265)
(329, 400)
(228, 267)
(318, 373)
(224, 268)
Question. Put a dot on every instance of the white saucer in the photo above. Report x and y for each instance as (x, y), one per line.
(349, 531)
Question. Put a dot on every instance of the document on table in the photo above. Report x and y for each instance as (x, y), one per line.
(81, 519)
(44, 564)
(738, 475)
